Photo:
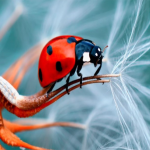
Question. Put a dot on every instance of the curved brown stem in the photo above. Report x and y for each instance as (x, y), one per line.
(30, 111)
(26, 113)
(30, 102)
(34, 101)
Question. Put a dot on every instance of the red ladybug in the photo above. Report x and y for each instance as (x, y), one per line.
(63, 55)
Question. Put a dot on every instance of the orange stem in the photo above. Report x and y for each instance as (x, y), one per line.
(15, 127)
(26, 113)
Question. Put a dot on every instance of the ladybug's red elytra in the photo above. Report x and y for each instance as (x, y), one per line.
(63, 55)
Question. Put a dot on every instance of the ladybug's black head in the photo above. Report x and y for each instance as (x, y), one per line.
(90, 52)
(96, 55)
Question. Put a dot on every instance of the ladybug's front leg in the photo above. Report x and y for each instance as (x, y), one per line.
(78, 72)
(99, 68)
(97, 71)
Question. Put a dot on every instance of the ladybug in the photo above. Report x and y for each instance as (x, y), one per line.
(64, 55)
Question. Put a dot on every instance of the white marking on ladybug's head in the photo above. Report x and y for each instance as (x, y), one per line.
(99, 49)
(96, 54)
(86, 57)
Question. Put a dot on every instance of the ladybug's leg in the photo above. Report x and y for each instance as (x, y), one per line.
(50, 89)
(71, 74)
(80, 64)
(99, 68)
(67, 82)
(97, 71)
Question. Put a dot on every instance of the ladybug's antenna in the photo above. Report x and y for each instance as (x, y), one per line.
(104, 48)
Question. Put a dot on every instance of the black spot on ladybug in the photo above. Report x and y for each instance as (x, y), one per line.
(71, 39)
(49, 50)
(58, 66)
(40, 75)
